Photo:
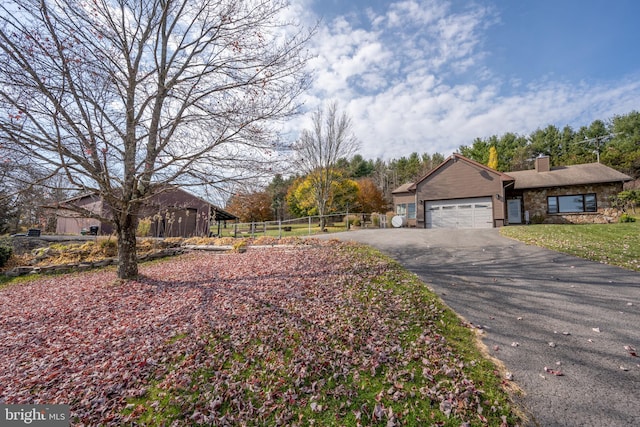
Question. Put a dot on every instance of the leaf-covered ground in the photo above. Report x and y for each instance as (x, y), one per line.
(320, 334)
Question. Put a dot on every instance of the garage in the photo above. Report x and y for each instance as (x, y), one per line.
(460, 213)
(458, 193)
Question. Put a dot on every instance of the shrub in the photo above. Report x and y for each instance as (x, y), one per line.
(6, 250)
(389, 216)
(375, 219)
(626, 200)
(240, 246)
(224, 241)
(109, 247)
(626, 218)
(354, 220)
(200, 241)
(537, 219)
(144, 227)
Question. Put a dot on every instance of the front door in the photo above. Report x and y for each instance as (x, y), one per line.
(514, 211)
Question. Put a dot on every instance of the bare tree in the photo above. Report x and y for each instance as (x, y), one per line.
(127, 97)
(319, 149)
(26, 192)
(7, 199)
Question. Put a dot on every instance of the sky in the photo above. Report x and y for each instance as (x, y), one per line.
(428, 76)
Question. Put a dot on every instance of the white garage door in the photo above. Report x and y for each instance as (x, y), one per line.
(461, 213)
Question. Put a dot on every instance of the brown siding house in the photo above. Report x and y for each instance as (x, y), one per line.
(172, 212)
(461, 193)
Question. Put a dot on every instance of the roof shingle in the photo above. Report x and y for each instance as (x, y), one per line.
(404, 188)
(590, 173)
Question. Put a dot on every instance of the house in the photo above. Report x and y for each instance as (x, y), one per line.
(172, 213)
(462, 193)
(564, 194)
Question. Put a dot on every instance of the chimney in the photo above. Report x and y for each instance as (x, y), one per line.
(542, 164)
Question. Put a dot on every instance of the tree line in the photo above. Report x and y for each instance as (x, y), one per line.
(359, 185)
(615, 143)
(365, 185)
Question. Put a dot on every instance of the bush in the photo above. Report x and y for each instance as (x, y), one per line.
(240, 246)
(537, 219)
(627, 200)
(626, 218)
(173, 242)
(6, 250)
(354, 220)
(144, 227)
(375, 219)
(108, 247)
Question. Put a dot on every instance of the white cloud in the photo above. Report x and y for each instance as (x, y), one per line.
(415, 12)
(415, 78)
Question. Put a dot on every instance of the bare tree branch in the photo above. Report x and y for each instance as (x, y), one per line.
(125, 96)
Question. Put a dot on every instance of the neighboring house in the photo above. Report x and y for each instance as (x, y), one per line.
(173, 213)
(462, 193)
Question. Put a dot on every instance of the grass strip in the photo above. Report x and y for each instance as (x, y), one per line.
(614, 244)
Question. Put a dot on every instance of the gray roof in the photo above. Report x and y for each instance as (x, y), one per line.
(590, 173)
(404, 188)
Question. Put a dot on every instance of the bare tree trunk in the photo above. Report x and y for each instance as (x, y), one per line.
(129, 98)
(127, 254)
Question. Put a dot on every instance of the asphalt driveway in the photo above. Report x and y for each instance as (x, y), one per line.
(542, 313)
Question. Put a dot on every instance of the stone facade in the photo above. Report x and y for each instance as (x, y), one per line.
(535, 202)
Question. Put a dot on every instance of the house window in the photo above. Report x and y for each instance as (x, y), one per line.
(590, 203)
(572, 204)
(411, 211)
(406, 209)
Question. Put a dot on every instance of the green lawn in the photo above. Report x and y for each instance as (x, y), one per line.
(286, 230)
(615, 244)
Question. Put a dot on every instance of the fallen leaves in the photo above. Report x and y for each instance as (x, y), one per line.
(231, 339)
(555, 372)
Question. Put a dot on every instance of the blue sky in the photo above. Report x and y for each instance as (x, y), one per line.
(429, 76)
